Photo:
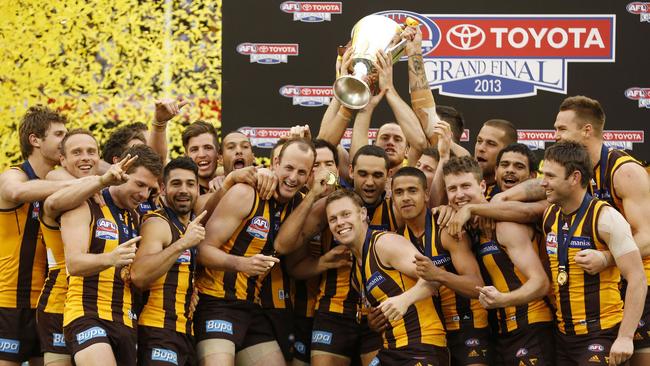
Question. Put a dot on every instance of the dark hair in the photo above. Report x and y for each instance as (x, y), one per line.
(344, 193)
(76, 131)
(181, 162)
(223, 140)
(303, 145)
(147, 158)
(320, 144)
(36, 121)
(523, 150)
(409, 171)
(198, 128)
(432, 152)
(462, 164)
(138, 126)
(587, 110)
(455, 119)
(507, 127)
(370, 150)
(572, 156)
(118, 142)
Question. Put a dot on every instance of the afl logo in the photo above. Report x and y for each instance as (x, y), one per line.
(430, 31)
(465, 37)
(259, 227)
(596, 347)
(106, 230)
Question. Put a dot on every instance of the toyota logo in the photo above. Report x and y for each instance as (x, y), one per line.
(465, 37)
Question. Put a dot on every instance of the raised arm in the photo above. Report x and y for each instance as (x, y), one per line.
(516, 238)
(166, 109)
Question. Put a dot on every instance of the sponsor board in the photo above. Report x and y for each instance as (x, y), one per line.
(312, 11)
(308, 96)
(640, 8)
(268, 53)
(267, 137)
(503, 56)
(617, 139)
(640, 94)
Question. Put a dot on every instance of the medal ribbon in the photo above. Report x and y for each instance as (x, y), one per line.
(564, 242)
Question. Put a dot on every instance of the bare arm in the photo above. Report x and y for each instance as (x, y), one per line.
(76, 238)
(632, 186)
(303, 265)
(334, 122)
(306, 220)
(528, 191)
(469, 274)
(510, 211)
(516, 238)
(16, 188)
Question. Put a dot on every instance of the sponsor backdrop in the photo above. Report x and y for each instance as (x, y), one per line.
(499, 59)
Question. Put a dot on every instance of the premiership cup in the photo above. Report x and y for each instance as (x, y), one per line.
(371, 34)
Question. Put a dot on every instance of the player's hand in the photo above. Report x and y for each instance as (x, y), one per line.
(300, 132)
(591, 260)
(245, 175)
(194, 300)
(167, 109)
(116, 174)
(486, 225)
(337, 257)
(384, 67)
(376, 320)
(195, 232)
(457, 222)
(257, 264)
(442, 130)
(124, 253)
(425, 268)
(394, 307)
(343, 63)
(319, 184)
(445, 214)
(413, 36)
(216, 183)
(621, 350)
(267, 181)
(490, 297)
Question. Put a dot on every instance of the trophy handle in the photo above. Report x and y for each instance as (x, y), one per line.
(397, 50)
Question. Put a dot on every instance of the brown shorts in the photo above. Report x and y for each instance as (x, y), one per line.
(85, 331)
(469, 345)
(18, 335)
(342, 335)
(584, 350)
(240, 322)
(164, 347)
(50, 332)
(282, 324)
(302, 327)
(533, 345)
(416, 355)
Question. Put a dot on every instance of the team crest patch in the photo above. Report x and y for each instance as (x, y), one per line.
(185, 257)
(106, 230)
(258, 228)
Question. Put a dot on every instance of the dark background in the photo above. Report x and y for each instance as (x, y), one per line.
(250, 95)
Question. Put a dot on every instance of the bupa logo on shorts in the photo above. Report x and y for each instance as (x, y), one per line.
(9, 345)
(488, 248)
(268, 53)
(643, 9)
(311, 11)
(472, 342)
(106, 230)
(89, 334)
(319, 336)
(259, 227)
(164, 355)
(580, 242)
(300, 347)
(522, 352)
(375, 279)
(58, 340)
(218, 326)
(374, 362)
(595, 347)
(502, 56)
(185, 257)
(308, 96)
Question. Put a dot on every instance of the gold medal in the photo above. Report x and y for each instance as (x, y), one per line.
(562, 277)
(331, 179)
